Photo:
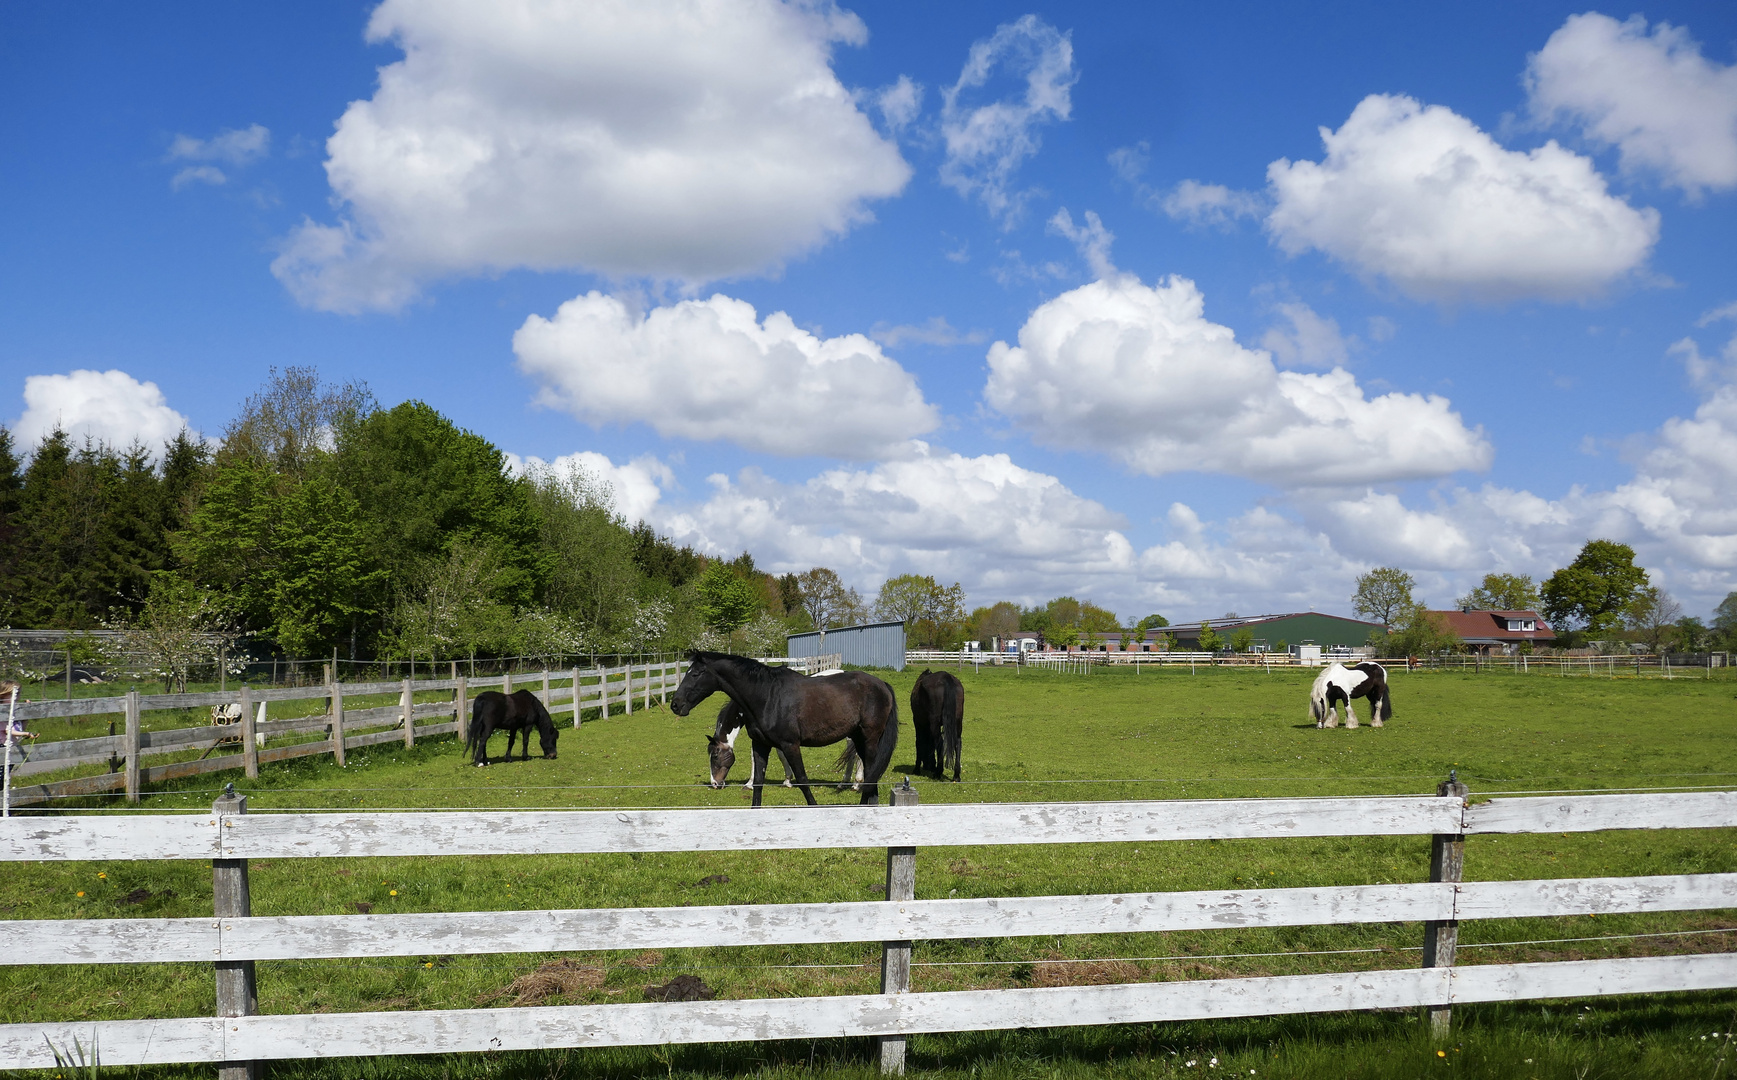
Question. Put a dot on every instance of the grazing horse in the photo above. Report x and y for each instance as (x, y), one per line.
(938, 714)
(721, 746)
(787, 711)
(1339, 684)
(518, 714)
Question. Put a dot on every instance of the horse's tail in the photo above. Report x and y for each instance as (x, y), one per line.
(1385, 709)
(952, 727)
(847, 760)
(874, 770)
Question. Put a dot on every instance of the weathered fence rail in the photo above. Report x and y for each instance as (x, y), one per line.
(623, 688)
(343, 728)
(230, 836)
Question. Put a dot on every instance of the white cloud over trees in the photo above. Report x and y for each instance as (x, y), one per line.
(711, 369)
(1138, 373)
(672, 140)
(1422, 197)
(105, 406)
(1665, 107)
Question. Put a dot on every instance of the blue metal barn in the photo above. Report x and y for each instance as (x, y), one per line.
(869, 645)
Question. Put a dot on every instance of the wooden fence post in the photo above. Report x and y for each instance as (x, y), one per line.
(575, 698)
(460, 706)
(1447, 862)
(337, 716)
(627, 687)
(896, 955)
(249, 744)
(237, 994)
(131, 749)
(648, 687)
(545, 688)
(409, 716)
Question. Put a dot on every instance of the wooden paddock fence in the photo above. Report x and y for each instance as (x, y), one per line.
(233, 940)
(344, 728)
(1633, 666)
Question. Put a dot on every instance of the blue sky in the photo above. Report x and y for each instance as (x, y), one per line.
(1181, 308)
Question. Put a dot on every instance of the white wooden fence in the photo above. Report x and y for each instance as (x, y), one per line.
(344, 728)
(229, 836)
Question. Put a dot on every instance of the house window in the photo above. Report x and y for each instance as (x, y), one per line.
(1522, 624)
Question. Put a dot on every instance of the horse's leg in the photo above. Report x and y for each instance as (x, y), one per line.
(1350, 715)
(1375, 710)
(793, 759)
(785, 758)
(761, 751)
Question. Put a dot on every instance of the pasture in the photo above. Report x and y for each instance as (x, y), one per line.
(1029, 736)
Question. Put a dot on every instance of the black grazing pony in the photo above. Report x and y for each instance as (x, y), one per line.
(787, 711)
(494, 711)
(938, 714)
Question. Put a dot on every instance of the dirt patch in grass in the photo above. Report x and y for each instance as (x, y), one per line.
(555, 978)
(1085, 973)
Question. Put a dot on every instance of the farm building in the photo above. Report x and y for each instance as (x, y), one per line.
(1313, 627)
(1504, 630)
(869, 645)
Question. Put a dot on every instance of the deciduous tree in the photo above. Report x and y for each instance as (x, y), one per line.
(1384, 594)
(1592, 592)
(1503, 592)
(1651, 616)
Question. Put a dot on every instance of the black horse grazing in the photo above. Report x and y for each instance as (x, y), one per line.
(938, 714)
(494, 711)
(787, 711)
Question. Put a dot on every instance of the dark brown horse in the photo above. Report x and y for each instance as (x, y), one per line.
(787, 711)
(938, 714)
(518, 714)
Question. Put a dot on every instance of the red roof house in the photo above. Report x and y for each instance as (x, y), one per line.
(1484, 630)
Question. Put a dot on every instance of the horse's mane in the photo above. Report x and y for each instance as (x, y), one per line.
(745, 668)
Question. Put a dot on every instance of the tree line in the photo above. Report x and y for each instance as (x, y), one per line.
(323, 524)
(1599, 597)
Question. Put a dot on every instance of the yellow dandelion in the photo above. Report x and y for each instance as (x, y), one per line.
(102, 875)
(1441, 1053)
(394, 892)
(81, 892)
(429, 964)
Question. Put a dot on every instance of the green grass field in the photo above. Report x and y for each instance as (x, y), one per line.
(1029, 736)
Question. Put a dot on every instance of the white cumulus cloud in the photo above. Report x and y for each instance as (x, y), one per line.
(998, 527)
(1139, 374)
(634, 488)
(710, 369)
(107, 406)
(988, 137)
(672, 139)
(1653, 96)
(1423, 197)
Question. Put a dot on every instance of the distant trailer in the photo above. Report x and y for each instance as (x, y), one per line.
(869, 645)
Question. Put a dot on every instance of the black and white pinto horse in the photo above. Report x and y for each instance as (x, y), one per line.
(1338, 684)
(721, 746)
(938, 714)
(786, 711)
(494, 711)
